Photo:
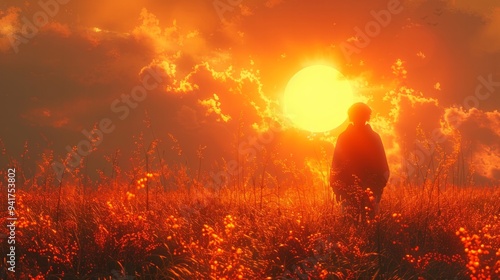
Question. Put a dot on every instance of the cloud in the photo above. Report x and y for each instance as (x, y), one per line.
(9, 24)
(474, 123)
(480, 7)
(273, 3)
(489, 37)
(213, 107)
(480, 133)
(61, 30)
(170, 39)
(188, 118)
(46, 117)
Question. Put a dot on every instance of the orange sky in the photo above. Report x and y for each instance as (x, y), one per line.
(225, 68)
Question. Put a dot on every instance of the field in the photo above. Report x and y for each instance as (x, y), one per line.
(125, 228)
(163, 139)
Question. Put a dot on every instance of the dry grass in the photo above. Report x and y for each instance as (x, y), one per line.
(193, 233)
(157, 221)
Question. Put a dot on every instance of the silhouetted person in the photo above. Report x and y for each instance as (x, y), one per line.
(359, 163)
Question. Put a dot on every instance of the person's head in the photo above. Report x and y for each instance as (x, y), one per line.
(359, 113)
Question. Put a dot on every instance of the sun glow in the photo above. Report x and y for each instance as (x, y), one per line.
(317, 98)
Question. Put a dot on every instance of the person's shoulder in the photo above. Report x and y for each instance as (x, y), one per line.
(346, 132)
(374, 134)
(369, 128)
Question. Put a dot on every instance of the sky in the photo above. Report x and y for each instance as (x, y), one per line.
(208, 77)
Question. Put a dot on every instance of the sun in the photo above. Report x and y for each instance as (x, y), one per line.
(317, 98)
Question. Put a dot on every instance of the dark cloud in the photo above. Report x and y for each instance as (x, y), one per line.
(480, 133)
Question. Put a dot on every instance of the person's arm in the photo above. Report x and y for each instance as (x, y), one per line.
(337, 167)
(384, 166)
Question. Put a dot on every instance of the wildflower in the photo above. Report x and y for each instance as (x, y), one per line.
(130, 196)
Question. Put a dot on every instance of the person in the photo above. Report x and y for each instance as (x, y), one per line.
(359, 170)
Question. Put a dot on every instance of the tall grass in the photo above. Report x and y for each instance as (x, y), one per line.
(113, 232)
(159, 221)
